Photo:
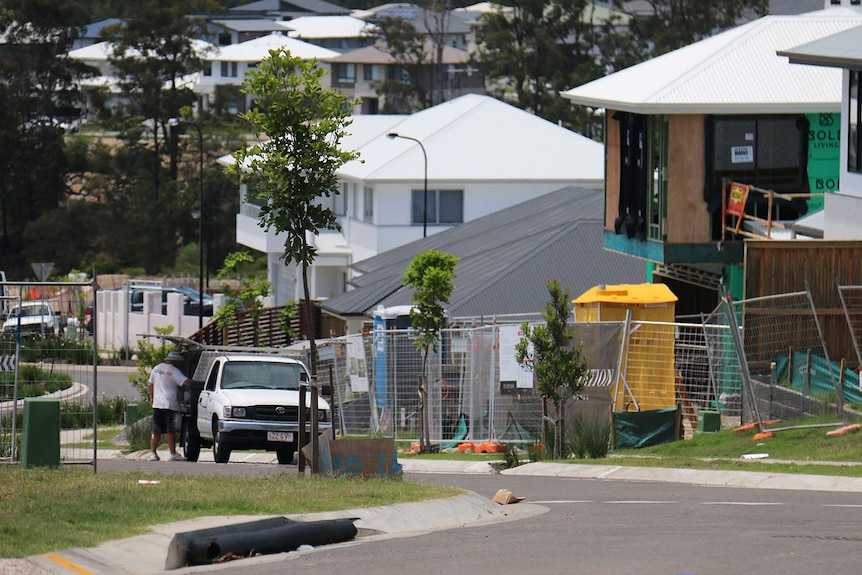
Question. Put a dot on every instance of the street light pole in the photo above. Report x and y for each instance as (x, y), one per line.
(425, 182)
(196, 126)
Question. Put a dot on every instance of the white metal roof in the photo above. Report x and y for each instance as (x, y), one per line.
(102, 51)
(841, 50)
(471, 138)
(737, 71)
(477, 138)
(258, 49)
(319, 27)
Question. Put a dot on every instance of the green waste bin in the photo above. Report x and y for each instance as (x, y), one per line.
(40, 438)
(708, 421)
(130, 414)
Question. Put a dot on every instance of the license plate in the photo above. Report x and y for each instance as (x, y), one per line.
(283, 436)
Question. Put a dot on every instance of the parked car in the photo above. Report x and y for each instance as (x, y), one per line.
(191, 299)
(34, 318)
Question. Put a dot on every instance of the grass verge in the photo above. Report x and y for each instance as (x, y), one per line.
(48, 510)
(803, 450)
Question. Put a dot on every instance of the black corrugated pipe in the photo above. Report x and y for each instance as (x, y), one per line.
(205, 550)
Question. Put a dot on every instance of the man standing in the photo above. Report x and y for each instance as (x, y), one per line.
(164, 381)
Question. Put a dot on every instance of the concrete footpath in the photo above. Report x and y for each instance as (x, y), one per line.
(148, 554)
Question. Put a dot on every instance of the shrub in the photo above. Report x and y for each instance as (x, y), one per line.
(589, 436)
(32, 382)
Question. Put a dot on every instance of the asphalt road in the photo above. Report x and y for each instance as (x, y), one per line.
(113, 381)
(614, 527)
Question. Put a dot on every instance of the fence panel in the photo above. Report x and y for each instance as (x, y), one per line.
(791, 373)
(46, 345)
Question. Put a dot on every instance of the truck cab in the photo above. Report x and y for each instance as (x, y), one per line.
(241, 401)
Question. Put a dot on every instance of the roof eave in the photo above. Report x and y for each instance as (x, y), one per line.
(823, 61)
(709, 107)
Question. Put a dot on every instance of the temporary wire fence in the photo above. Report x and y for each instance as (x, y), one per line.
(791, 373)
(47, 353)
(851, 303)
(376, 388)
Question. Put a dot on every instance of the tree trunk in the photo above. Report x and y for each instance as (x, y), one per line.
(424, 440)
(309, 312)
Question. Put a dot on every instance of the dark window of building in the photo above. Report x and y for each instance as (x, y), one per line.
(444, 206)
(767, 151)
(854, 135)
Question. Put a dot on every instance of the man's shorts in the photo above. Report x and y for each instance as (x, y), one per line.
(165, 421)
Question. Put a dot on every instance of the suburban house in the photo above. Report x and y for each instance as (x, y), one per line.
(339, 33)
(678, 127)
(357, 73)
(225, 32)
(505, 258)
(464, 159)
(219, 86)
(842, 211)
(286, 10)
(456, 27)
(105, 83)
(92, 33)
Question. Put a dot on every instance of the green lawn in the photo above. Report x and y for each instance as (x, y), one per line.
(54, 509)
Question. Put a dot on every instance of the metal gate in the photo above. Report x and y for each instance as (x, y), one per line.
(48, 350)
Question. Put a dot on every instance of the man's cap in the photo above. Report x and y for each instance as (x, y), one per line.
(175, 356)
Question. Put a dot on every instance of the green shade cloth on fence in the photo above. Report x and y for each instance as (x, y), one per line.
(645, 428)
(821, 382)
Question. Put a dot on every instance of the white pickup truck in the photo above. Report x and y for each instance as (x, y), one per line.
(244, 401)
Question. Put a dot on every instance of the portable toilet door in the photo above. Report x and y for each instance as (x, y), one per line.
(647, 370)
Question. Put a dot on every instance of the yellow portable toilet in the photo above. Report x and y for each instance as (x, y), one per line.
(646, 378)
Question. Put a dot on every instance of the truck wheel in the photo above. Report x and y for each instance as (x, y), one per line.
(285, 455)
(191, 442)
(221, 453)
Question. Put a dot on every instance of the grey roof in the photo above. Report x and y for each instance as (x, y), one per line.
(841, 50)
(292, 7)
(95, 29)
(250, 24)
(505, 259)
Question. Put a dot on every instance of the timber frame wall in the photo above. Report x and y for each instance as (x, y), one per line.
(776, 267)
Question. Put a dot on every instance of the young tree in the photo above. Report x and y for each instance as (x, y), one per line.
(430, 275)
(548, 351)
(292, 171)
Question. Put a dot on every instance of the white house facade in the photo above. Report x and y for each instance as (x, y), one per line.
(842, 210)
(227, 67)
(480, 155)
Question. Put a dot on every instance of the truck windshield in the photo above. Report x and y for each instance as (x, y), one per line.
(261, 375)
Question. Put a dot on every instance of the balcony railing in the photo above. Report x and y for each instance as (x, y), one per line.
(734, 198)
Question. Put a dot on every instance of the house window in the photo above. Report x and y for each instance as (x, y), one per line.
(339, 202)
(229, 69)
(444, 206)
(766, 151)
(370, 72)
(368, 204)
(345, 73)
(657, 172)
(398, 73)
(854, 134)
(643, 176)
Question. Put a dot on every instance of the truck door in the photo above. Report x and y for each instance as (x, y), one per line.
(204, 421)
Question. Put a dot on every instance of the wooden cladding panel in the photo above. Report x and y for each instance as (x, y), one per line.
(777, 267)
(687, 218)
(612, 170)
